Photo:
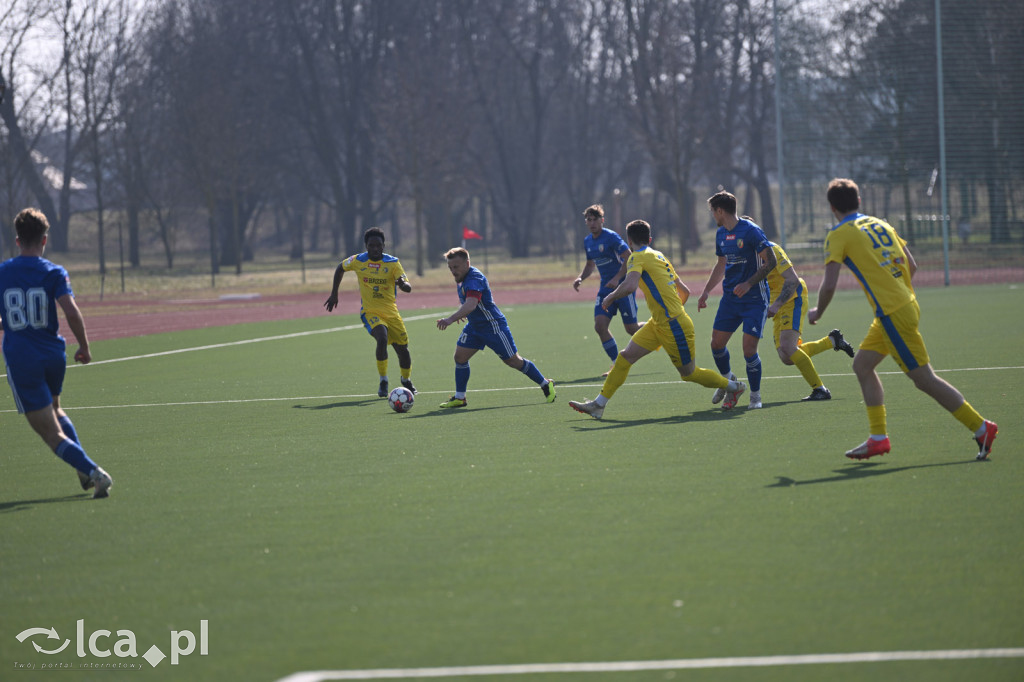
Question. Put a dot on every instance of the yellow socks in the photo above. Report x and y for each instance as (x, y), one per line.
(969, 417)
(814, 347)
(707, 378)
(616, 377)
(876, 420)
(802, 360)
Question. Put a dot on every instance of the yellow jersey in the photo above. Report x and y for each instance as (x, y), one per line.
(377, 281)
(658, 282)
(873, 252)
(775, 279)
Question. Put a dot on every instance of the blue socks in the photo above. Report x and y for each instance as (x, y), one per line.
(530, 370)
(72, 453)
(754, 372)
(68, 428)
(722, 361)
(611, 348)
(461, 379)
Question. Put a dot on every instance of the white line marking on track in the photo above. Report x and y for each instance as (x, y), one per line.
(633, 666)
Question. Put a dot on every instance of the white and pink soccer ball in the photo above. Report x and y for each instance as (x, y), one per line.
(400, 399)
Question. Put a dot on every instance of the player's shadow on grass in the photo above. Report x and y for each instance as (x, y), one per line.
(604, 423)
(442, 411)
(597, 379)
(22, 505)
(861, 471)
(341, 403)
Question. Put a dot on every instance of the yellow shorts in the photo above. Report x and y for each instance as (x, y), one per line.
(897, 335)
(676, 335)
(791, 314)
(394, 323)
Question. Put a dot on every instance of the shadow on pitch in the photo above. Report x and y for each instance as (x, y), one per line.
(864, 470)
(468, 409)
(22, 505)
(598, 379)
(603, 424)
(340, 403)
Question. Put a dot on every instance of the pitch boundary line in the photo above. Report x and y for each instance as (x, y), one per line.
(635, 666)
(343, 396)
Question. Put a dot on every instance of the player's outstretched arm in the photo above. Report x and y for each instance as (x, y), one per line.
(77, 324)
(462, 313)
(588, 270)
(714, 279)
(825, 292)
(625, 288)
(332, 301)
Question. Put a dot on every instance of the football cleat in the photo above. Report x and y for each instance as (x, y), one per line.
(549, 391)
(732, 397)
(755, 400)
(382, 392)
(839, 343)
(869, 448)
(102, 481)
(721, 392)
(84, 480)
(985, 442)
(590, 407)
(454, 402)
(408, 384)
(820, 393)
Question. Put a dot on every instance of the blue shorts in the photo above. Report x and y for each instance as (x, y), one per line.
(732, 312)
(625, 306)
(34, 384)
(497, 337)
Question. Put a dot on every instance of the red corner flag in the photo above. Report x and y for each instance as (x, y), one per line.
(470, 234)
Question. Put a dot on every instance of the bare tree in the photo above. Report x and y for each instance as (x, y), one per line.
(673, 57)
(519, 57)
(22, 110)
(335, 49)
(100, 62)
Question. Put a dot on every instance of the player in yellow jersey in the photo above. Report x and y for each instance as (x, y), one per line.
(789, 301)
(880, 260)
(379, 274)
(669, 325)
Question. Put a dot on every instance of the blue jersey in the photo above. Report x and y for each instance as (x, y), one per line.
(29, 289)
(487, 315)
(607, 251)
(740, 246)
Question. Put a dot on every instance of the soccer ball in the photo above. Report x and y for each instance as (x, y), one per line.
(400, 399)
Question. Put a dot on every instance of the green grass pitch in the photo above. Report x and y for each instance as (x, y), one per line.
(264, 488)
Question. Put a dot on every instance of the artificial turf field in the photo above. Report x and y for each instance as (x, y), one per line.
(262, 487)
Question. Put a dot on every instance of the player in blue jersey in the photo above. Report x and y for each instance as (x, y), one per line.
(485, 327)
(745, 258)
(607, 253)
(31, 288)
(380, 274)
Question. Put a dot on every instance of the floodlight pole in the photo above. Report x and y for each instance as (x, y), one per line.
(778, 122)
(943, 186)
